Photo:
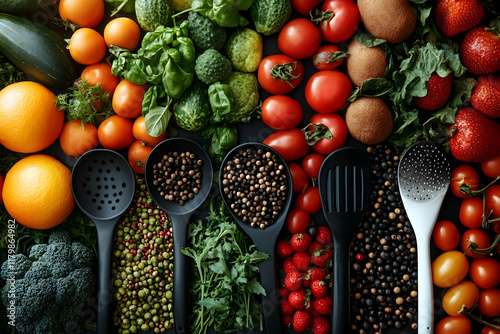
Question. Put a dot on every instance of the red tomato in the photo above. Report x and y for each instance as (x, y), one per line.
(1, 187)
(337, 127)
(487, 330)
(137, 156)
(127, 99)
(299, 177)
(489, 302)
(281, 112)
(477, 236)
(297, 221)
(280, 74)
(493, 200)
(299, 38)
(328, 91)
(87, 46)
(304, 7)
(309, 200)
(463, 174)
(449, 268)
(485, 272)
(84, 13)
(328, 57)
(464, 293)
(491, 167)
(290, 144)
(122, 32)
(445, 235)
(453, 325)
(115, 133)
(471, 212)
(140, 133)
(100, 74)
(76, 140)
(343, 21)
(312, 164)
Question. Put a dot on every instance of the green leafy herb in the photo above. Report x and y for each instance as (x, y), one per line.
(224, 12)
(9, 73)
(127, 6)
(224, 138)
(221, 100)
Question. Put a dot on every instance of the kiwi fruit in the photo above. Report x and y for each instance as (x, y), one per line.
(369, 120)
(392, 20)
(365, 62)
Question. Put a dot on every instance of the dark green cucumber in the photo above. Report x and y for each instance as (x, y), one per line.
(24, 6)
(37, 50)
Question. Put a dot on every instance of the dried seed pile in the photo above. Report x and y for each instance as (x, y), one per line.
(177, 176)
(384, 255)
(255, 186)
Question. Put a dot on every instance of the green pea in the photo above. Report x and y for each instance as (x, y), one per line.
(169, 294)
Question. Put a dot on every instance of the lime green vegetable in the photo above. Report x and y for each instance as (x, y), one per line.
(244, 49)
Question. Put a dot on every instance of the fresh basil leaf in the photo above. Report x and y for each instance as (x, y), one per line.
(221, 101)
(368, 40)
(157, 120)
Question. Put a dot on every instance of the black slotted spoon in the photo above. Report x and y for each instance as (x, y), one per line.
(103, 185)
(344, 186)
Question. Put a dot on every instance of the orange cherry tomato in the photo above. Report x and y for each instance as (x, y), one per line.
(100, 74)
(138, 155)
(122, 32)
(464, 293)
(127, 99)
(76, 140)
(140, 133)
(445, 235)
(449, 268)
(115, 133)
(87, 46)
(84, 13)
(453, 325)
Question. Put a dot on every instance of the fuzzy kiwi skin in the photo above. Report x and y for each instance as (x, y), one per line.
(369, 120)
(392, 20)
(365, 62)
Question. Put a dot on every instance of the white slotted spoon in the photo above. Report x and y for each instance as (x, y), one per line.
(423, 178)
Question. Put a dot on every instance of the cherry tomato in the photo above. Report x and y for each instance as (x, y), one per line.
(491, 167)
(471, 212)
(297, 221)
(477, 236)
(338, 129)
(290, 144)
(140, 133)
(453, 325)
(487, 330)
(84, 13)
(304, 6)
(87, 46)
(445, 235)
(485, 272)
(343, 21)
(76, 140)
(328, 57)
(100, 74)
(493, 200)
(312, 164)
(122, 32)
(309, 200)
(489, 302)
(299, 177)
(1, 187)
(115, 133)
(328, 91)
(464, 174)
(449, 268)
(299, 38)
(137, 155)
(127, 99)
(271, 66)
(464, 293)
(281, 112)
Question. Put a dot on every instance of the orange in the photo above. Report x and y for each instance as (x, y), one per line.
(29, 119)
(37, 192)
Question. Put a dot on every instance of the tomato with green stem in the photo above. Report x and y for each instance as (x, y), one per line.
(471, 212)
(463, 174)
(280, 74)
(297, 221)
(465, 293)
(478, 237)
(328, 57)
(337, 128)
(138, 154)
(453, 325)
(489, 302)
(485, 272)
(309, 200)
(291, 144)
(445, 235)
(449, 268)
(299, 38)
(339, 20)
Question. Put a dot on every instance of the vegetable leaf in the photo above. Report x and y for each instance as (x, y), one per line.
(157, 120)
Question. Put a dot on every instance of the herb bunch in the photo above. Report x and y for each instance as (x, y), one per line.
(9, 73)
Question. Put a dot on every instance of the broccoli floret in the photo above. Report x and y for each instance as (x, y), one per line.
(46, 325)
(39, 270)
(81, 255)
(39, 296)
(76, 288)
(57, 252)
(62, 269)
(37, 251)
(59, 236)
(16, 266)
(16, 293)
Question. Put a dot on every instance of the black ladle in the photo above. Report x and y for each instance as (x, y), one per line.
(265, 240)
(103, 185)
(179, 215)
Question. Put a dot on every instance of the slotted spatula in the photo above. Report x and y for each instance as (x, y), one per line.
(344, 186)
(423, 178)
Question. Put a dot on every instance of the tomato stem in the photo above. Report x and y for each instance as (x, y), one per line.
(319, 131)
(285, 72)
(468, 312)
(483, 251)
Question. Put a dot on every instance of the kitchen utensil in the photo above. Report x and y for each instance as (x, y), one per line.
(179, 215)
(265, 240)
(344, 186)
(103, 185)
(423, 177)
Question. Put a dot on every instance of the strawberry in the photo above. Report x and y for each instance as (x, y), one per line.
(299, 299)
(323, 305)
(438, 91)
(300, 242)
(314, 247)
(287, 320)
(319, 288)
(283, 249)
(455, 16)
(302, 260)
(286, 307)
(320, 325)
(316, 274)
(474, 137)
(486, 95)
(301, 320)
(324, 235)
(293, 281)
(322, 258)
(479, 51)
(283, 292)
(289, 266)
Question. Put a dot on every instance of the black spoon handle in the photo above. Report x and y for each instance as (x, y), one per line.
(180, 227)
(340, 311)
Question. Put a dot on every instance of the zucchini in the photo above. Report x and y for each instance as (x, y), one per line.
(23, 6)
(37, 50)
(153, 13)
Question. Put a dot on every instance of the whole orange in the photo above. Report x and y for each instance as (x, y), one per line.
(37, 192)
(29, 119)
